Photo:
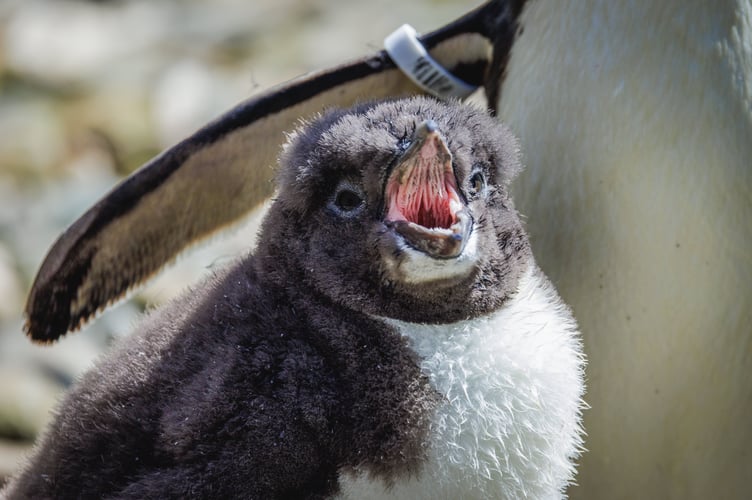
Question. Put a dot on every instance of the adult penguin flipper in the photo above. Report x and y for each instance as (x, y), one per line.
(222, 172)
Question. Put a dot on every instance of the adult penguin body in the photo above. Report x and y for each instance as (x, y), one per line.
(636, 122)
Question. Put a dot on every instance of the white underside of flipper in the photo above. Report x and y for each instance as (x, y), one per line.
(510, 424)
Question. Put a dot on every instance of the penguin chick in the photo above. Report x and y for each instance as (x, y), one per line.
(391, 336)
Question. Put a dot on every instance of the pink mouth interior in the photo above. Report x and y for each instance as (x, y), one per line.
(424, 193)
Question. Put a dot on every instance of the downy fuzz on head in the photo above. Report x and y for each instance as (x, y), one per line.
(401, 209)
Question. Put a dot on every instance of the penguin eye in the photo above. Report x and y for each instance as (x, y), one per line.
(477, 183)
(348, 200)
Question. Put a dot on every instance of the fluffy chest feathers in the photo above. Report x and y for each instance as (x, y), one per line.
(511, 382)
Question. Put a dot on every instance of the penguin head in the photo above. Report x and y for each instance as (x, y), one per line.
(401, 209)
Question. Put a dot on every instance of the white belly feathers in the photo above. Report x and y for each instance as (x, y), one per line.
(510, 423)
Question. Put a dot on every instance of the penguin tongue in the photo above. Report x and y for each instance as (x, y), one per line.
(421, 197)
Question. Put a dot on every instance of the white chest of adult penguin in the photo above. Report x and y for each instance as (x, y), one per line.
(391, 336)
(636, 120)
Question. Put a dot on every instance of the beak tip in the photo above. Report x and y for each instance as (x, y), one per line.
(425, 129)
(430, 126)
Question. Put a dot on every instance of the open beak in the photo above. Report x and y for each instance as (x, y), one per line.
(423, 204)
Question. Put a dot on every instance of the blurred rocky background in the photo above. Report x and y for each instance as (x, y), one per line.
(90, 90)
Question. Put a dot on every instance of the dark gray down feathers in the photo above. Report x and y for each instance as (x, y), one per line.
(268, 380)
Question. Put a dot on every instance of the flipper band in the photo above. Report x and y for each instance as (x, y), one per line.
(412, 58)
